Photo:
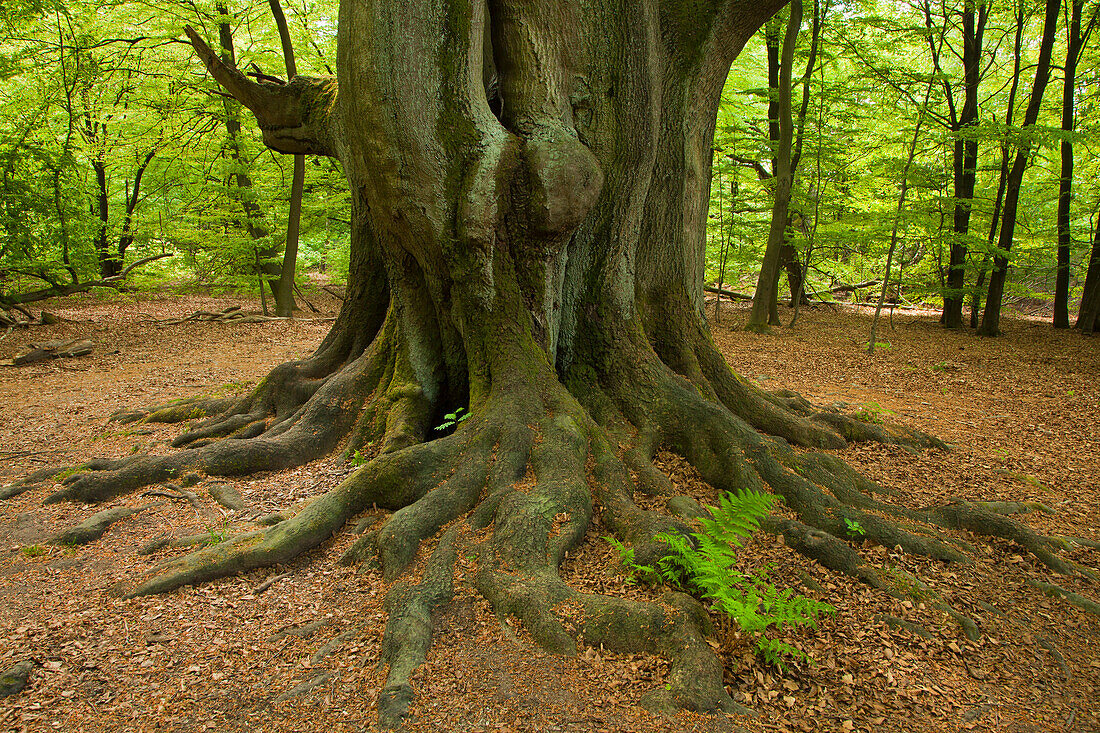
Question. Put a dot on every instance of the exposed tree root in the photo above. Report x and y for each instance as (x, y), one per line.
(15, 678)
(1057, 591)
(300, 412)
(333, 645)
(982, 521)
(226, 495)
(175, 411)
(272, 579)
(56, 473)
(408, 634)
(520, 482)
(1014, 507)
(303, 688)
(304, 631)
(390, 481)
(232, 314)
(168, 542)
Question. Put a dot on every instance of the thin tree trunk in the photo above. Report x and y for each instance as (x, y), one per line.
(818, 192)
(991, 319)
(284, 291)
(774, 33)
(1065, 180)
(965, 152)
(1002, 182)
(721, 240)
(897, 217)
(763, 305)
(790, 256)
(93, 131)
(267, 271)
(65, 152)
(102, 211)
(126, 238)
(792, 264)
(983, 270)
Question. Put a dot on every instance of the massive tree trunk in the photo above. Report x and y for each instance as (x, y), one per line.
(543, 269)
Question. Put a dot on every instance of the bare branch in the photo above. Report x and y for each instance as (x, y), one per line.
(113, 281)
(294, 118)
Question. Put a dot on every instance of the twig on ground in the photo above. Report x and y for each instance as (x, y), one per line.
(970, 671)
(166, 494)
(269, 582)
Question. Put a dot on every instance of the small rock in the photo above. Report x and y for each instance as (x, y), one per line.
(93, 527)
(686, 507)
(190, 479)
(270, 520)
(15, 678)
(227, 496)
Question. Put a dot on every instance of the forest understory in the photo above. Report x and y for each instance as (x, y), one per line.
(298, 646)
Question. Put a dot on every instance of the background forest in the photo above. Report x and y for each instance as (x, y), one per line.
(900, 132)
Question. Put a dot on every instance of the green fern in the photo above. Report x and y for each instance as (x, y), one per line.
(737, 516)
(702, 563)
(644, 574)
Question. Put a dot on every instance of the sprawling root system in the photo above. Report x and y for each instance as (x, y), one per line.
(519, 483)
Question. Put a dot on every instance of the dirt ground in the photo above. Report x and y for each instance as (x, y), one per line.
(1022, 413)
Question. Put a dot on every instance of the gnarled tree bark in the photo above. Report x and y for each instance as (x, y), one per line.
(534, 254)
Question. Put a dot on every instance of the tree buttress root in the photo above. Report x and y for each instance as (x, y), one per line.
(519, 483)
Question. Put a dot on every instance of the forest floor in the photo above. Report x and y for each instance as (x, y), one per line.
(1022, 413)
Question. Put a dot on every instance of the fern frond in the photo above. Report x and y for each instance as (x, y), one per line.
(704, 564)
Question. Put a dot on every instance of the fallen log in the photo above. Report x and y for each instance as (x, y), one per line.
(727, 293)
(232, 314)
(849, 288)
(835, 289)
(34, 353)
(57, 290)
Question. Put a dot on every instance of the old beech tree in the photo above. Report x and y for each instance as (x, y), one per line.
(530, 185)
